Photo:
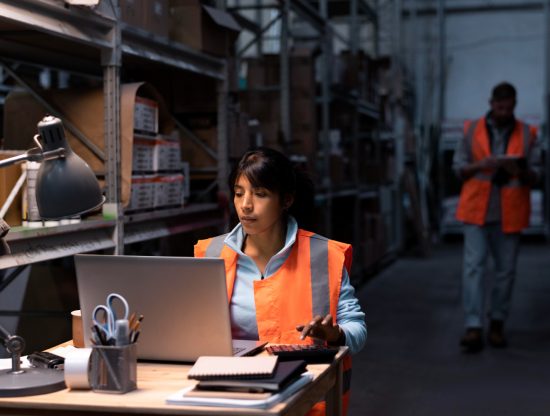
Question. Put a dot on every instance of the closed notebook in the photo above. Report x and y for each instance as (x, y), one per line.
(213, 367)
(181, 397)
(285, 373)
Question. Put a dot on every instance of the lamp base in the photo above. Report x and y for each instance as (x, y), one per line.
(31, 382)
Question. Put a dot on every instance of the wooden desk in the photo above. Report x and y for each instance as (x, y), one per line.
(158, 381)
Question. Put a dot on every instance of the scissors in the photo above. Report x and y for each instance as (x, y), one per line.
(109, 322)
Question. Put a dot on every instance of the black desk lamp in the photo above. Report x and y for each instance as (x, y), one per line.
(65, 187)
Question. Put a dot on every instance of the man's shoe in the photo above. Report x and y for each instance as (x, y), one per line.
(472, 341)
(496, 336)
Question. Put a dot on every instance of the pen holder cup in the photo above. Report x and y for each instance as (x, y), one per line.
(113, 369)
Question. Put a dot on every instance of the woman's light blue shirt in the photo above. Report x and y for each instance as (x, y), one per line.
(243, 310)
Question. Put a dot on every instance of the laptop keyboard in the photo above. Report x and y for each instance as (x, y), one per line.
(311, 354)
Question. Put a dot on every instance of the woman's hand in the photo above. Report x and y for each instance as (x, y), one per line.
(323, 328)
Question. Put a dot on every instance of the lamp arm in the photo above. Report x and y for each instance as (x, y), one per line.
(4, 334)
(34, 155)
(13, 160)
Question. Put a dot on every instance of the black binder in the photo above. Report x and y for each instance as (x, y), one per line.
(285, 373)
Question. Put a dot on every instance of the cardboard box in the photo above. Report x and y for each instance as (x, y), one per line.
(143, 154)
(132, 12)
(338, 168)
(8, 178)
(146, 115)
(167, 155)
(150, 15)
(263, 71)
(84, 108)
(194, 153)
(142, 196)
(266, 71)
(157, 17)
(239, 134)
(169, 190)
(202, 27)
(239, 139)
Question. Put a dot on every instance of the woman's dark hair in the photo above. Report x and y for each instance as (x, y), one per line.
(268, 168)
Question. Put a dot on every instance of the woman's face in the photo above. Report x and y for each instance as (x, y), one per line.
(259, 209)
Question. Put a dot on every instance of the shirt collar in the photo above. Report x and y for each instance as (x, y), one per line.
(491, 123)
(234, 240)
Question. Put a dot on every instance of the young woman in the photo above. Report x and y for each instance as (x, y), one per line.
(285, 285)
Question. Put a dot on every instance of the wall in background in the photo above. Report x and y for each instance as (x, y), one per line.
(482, 48)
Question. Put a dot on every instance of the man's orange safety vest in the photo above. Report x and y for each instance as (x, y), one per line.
(514, 196)
(307, 284)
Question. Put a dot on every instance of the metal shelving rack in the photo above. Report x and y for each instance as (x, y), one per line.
(321, 16)
(96, 43)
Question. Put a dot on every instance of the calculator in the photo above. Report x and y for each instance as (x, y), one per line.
(311, 354)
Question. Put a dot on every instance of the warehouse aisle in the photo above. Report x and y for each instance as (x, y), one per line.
(412, 364)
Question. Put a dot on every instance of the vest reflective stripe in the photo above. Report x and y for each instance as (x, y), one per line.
(526, 137)
(320, 292)
(215, 247)
(476, 191)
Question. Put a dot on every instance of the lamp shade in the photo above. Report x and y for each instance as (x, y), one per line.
(65, 186)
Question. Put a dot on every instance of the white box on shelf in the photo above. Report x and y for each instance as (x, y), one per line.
(167, 154)
(143, 153)
(146, 115)
(142, 194)
(169, 190)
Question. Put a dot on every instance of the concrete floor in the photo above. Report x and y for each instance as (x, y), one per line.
(412, 363)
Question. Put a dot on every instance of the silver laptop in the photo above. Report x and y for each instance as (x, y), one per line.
(183, 300)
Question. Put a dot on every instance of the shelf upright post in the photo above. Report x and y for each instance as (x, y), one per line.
(397, 219)
(259, 20)
(111, 60)
(286, 128)
(223, 148)
(545, 134)
(326, 47)
(353, 27)
(223, 139)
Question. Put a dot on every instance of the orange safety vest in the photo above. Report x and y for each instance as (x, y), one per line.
(514, 196)
(313, 266)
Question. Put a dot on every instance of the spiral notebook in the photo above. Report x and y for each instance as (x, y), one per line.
(285, 373)
(213, 367)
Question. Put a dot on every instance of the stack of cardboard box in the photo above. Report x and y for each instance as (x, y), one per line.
(356, 74)
(201, 27)
(150, 15)
(157, 178)
(262, 100)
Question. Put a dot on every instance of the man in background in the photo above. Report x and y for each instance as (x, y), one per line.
(498, 161)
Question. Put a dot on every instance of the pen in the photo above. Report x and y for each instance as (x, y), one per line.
(98, 335)
(132, 320)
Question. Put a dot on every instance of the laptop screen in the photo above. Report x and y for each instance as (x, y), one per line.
(183, 300)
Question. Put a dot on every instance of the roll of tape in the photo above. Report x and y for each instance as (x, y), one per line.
(77, 368)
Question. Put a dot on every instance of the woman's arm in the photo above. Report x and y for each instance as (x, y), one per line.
(350, 328)
(350, 317)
